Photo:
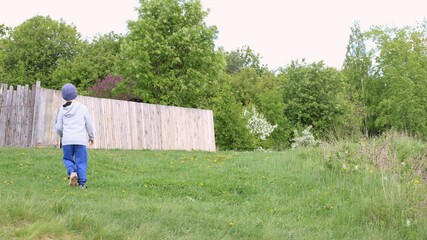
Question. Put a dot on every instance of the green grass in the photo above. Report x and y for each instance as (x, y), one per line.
(296, 194)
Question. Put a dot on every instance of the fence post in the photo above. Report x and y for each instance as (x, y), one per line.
(3, 114)
(36, 102)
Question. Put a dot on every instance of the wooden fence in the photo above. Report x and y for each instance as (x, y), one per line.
(27, 118)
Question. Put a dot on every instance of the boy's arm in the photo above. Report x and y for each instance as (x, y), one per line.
(58, 123)
(89, 127)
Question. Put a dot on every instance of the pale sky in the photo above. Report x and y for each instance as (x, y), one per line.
(279, 30)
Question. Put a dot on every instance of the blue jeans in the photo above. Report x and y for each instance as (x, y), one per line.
(75, 160)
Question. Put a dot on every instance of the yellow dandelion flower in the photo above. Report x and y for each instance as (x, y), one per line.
(417, 181)
(231, 223)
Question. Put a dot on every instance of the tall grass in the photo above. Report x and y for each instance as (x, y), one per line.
(370, 190)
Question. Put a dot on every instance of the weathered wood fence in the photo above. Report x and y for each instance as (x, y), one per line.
(27, 118)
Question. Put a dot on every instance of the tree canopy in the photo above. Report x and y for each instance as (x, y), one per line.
(313, 96)
(169, 53)
(94, 60)
(32, 50)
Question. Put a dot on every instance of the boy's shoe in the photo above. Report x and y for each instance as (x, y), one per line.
(73, 179)
(83, 186)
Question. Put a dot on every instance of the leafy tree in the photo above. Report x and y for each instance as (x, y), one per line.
(246, 85)
(271, 104)
(243, 58)
(3, 30)
(400, 81)
(313, 96)
(33, 50)
(231, 132)
(95, 60)
(390, 77)
(169, 53)
(356, 69)
(263, 91)
(3, 33)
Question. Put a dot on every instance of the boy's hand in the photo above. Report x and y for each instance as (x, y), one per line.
(91, 142)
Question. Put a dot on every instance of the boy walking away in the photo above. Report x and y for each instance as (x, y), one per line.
(75, 127)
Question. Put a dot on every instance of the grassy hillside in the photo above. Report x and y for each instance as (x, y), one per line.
(370, 190)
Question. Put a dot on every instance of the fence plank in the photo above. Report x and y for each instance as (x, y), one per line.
(152, 123)
(47, 115)
(211, 130)
(36, 121)
(140, 125)
(29, 111)
(166, 128)
(3, 113)
(11, 116)
(99, 125)
(56, 104)
(181, 138)
(133, 144)
(18, 118)
(104, 129)
(109, 134)
(24, 112)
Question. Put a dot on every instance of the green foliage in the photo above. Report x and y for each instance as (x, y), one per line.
(358, 62)
(314, 96)
(248, 88)
(32, 50)
(3, 31)
(396, 90)
(230, 126)
(270, 103)
(264, 92)
(246, 85)
(94, 60)
(386, 71)
(169, 53)
(356, 70)
(243, 58)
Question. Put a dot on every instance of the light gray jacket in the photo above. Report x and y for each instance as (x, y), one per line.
(74, 124)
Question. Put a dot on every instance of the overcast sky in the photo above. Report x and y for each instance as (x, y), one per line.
(279, 30)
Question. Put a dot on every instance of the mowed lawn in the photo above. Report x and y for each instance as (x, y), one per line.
(295, 194)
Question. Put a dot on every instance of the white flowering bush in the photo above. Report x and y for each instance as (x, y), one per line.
(305, 139)
(258, 124)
